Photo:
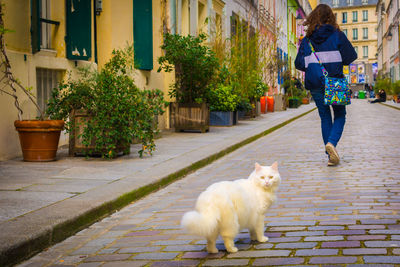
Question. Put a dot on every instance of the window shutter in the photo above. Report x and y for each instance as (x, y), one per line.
(143, 34)
(35, 25)
(79, 29)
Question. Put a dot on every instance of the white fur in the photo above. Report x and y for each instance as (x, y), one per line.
(229, 206)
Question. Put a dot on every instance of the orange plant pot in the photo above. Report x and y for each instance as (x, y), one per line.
(39, 139)
(270, 103)
(263, 103)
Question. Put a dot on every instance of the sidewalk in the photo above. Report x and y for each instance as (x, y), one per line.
(346, 215)
(43, 203)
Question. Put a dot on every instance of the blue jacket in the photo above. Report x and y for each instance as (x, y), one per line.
(333, 49)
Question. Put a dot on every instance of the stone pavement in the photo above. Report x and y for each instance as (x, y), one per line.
(344, 215)
(43, 203)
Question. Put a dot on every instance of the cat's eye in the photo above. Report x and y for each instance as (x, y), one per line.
(262, 177)
(270, 177)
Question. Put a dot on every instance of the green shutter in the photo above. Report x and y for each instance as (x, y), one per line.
(35, 25)
(79, 29)
(143, 34)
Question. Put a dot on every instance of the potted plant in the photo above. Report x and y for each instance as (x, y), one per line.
(38, 138)
(223, 103)
(106, 110)
(195, 65)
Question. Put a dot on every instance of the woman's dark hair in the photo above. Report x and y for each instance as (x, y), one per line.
(322, 14)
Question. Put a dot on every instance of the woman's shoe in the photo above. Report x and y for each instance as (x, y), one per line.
(333, 155)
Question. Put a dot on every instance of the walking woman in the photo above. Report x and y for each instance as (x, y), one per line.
(334, 50)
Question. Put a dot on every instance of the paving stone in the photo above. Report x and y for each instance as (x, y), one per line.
(284, 239)
(346, 232)
(334, 260)
(139, 249)
(184, 248)
(366, 237)
(155, 256)
(175, 263)
(125, 264)
(277, 261)
(364, 251)
(232, 262)
(305, 233)
(316, 252)
(382, 259)
(259, 253)
(296, 245)
(338, 244)
(108, 257)
(324, 238)
(382, 244)
(202, 255)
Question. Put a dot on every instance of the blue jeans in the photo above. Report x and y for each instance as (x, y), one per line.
(331, 131)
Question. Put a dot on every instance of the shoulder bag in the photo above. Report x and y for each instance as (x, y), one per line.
(337, 91)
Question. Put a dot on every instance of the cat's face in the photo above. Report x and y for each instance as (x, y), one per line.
(267, 176)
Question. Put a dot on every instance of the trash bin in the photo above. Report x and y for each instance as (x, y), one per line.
(361, 94)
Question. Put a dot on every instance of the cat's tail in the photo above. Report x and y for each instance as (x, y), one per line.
(203, 223)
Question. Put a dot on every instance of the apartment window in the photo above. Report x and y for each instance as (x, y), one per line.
(365, 51)
(350, 2)
(355, 34)
(365, 2)
(344, 17)
(355, 16)
(356, 49)
(41, 25)
(365, 33)
(345, 31)
(46, 81)
(335, 3)
(365, 15)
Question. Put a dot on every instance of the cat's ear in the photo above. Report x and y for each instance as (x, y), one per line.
(274, 166)
(258, 167)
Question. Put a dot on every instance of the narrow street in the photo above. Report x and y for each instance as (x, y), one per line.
(347, 214)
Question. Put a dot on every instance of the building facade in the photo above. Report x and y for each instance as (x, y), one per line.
(358, 20)
(388, 14)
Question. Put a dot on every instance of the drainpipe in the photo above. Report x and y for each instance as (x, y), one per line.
(179, 17)
(172, 7)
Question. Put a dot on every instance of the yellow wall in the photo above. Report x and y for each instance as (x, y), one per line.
(24, 64)
(313, 3)
(371, 24)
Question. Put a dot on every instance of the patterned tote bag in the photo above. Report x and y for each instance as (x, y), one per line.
(337, 91)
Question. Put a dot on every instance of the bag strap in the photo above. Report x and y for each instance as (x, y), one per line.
(319, 61)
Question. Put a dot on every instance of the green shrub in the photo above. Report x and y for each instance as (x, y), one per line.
(194, 63)
(119, 111)
(222, 98)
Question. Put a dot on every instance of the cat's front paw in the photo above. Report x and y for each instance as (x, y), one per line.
(233, 250)
(263, 239)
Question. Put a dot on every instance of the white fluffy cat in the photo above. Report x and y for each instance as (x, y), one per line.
(229, 206)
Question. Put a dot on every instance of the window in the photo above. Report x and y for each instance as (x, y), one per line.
(365, 2)
(344, 17)
(350, 2)
(345, 32)
(365, 33)
(335, 3)
(365, 51)
(355, 16)
(46, 81)
(365, 15)
(356, 49)
(41, 25)
(355, 34)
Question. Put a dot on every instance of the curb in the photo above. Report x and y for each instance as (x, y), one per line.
(39, 242)
(390, 106)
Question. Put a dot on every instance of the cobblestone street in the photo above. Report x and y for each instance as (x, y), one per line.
(344, 215)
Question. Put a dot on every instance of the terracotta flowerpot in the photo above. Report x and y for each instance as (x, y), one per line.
(39, 139)
(305, 100)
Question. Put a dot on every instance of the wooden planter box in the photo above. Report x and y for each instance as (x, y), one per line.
(190, 116)
(223, 118)
(76, 147)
